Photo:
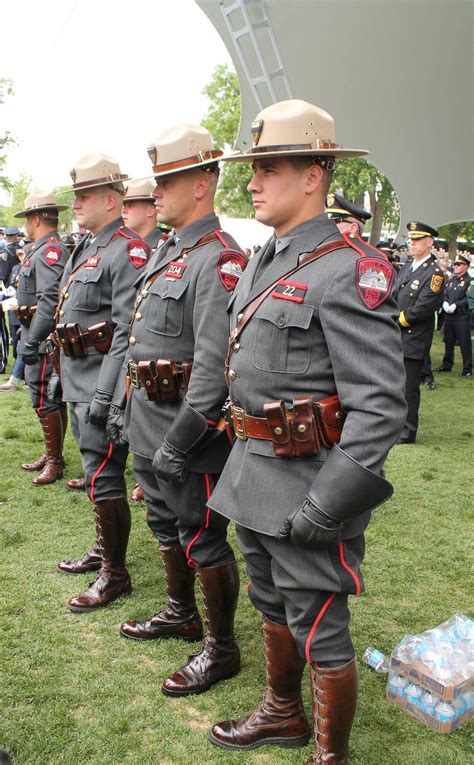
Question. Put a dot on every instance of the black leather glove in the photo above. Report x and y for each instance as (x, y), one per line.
(114, 425)
(169, 464)
(310, 527)
(55, 389)
(98, 409)
(29, 352)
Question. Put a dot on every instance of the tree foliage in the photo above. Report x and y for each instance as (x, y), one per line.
(18, 191)
(454, 231)
(6, 140)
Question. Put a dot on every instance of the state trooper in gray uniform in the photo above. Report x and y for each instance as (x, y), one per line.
(178, 340)
(37, 296)
(314, 361)
(93, 314)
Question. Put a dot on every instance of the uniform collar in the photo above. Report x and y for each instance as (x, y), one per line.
(416, 264)
(106, 233)
(39, 242)
(188, 236)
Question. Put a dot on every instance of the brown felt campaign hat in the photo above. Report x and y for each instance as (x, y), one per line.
(39, 201)
(95, 170)
(139, 190)
(182, 147)
(291, 129)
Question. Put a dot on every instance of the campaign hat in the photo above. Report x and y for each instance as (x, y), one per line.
(39, 201)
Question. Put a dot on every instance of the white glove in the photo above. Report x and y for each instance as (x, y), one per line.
(452, 307)
(9, 292)
(446, 306)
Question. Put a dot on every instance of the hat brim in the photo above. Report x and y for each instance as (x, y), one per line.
(249, 156)
(423, 235)
(139, 199)
(176, 170)
(93, 186)
(45, 208)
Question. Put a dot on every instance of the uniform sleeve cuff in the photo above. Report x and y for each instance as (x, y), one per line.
(402, 320)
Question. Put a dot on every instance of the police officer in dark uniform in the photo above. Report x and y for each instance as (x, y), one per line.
(37, 296)
(178, 339)
(8, 259)
(93, 314)
(418, 291)
(457, 327)
(313, 341)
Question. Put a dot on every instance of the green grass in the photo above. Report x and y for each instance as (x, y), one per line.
(74, 692)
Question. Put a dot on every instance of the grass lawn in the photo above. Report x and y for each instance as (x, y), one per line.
(73, 691)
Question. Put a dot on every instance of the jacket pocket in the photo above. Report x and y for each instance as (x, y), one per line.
(86, 290)
(282, 341)
(164, 312)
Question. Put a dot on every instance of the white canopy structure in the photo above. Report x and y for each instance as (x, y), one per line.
(396, 75)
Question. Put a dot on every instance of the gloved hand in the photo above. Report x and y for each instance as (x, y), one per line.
(446, 306)
(30, 352)
(169, 464)
(310, 527)
(114, 425)
(452, 307)
(98, 409)
(55, 389)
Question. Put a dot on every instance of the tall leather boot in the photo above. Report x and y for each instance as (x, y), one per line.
(114, 523)
(52, 425)
(219, 657)
(280, 719)
(36, 466)
(180, 617)
(334, 693)
(90, 561)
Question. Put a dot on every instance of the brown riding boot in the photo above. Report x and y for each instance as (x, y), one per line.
(136, 495)
(113, 581)
(180, 618)
(76, 484)
(334, 693)
(90, 561)
(219, 657)
(53, 433)
(36, 466)
(280, 719)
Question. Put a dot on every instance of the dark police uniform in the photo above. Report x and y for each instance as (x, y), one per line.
(8, 259)
(419, 295)
(457, 327)
(322, 338)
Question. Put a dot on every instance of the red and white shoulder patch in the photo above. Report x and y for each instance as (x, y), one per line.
(230, 268)
(52, 255)
(374, 279)
(138, 252)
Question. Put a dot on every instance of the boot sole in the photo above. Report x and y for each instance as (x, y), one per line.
(78, 573)
(288, 743)
(166, 692)
(46, 483)
(87, 610)
(161, 637)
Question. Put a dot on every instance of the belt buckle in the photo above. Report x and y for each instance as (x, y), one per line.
(238, 421)
(133, 374)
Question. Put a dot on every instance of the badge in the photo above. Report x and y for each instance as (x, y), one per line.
(293, 291)
(175, 270)
(256, 130)
(436, 283)
(330, 200)
(4, 255)
(52, 255)
(92, 262)
(412, 226)
(138, 253)
(414, 285)
(374, 281)
(230, 268)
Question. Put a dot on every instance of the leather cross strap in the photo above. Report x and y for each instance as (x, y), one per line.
(303, 260)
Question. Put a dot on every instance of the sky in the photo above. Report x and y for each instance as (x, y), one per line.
(100, 75)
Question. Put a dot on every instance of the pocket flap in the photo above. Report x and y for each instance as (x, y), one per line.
(283, 316)
(88, 275)
(167, 289)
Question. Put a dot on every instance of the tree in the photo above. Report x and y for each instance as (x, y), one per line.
(453, 231)
(222, 121)
(19, 190)
(6, 89)
(66, 216)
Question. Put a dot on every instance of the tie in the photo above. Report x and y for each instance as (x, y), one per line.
(162, 251)
(265, 258)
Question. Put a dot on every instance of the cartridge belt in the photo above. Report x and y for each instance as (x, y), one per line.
(163, 380)
(75, 341)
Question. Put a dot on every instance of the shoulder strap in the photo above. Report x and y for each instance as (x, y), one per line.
(303, 260)
(363, 248)
(126, 232)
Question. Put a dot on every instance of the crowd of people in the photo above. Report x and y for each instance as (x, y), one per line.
(281, 426)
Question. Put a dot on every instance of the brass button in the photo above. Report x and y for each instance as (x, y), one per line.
(232, 374)
(100, 334)
(281, 321)
(138, 316)
(165, 381)
(239, 316)
(302, 428)
(61, 313)
(338, 414)
(132, 341)
(148, 382)
(278, 431)
(66, 295)
(144, 293)
(236, 347)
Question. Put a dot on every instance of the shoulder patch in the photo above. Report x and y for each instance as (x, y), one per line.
(4, 255)
(436, 283)
(374, 279)
(138, 252)
(230, 268)
(52, 254)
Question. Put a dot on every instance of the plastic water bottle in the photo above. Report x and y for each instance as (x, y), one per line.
(445, 712)
(413, 694)
(428, 703)
(376, 659)
(397, 684)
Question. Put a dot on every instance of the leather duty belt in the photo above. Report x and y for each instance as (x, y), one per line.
(75, 341)
(162, 380)
(24, 314)
(301, 432)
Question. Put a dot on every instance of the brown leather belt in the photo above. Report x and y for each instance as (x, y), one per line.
(163, 380)
(74, 341)
(300, 432)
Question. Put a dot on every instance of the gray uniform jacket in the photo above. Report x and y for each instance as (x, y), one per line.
(154, 237)
(101, 290)
(182, 318)
(39, 278)
(327, 342)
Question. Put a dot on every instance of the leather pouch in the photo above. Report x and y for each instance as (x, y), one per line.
(101, 336)
(148, 376)
(275, 412)
(306, 440)
(167, 380)
(330, 418)
(76, 341)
